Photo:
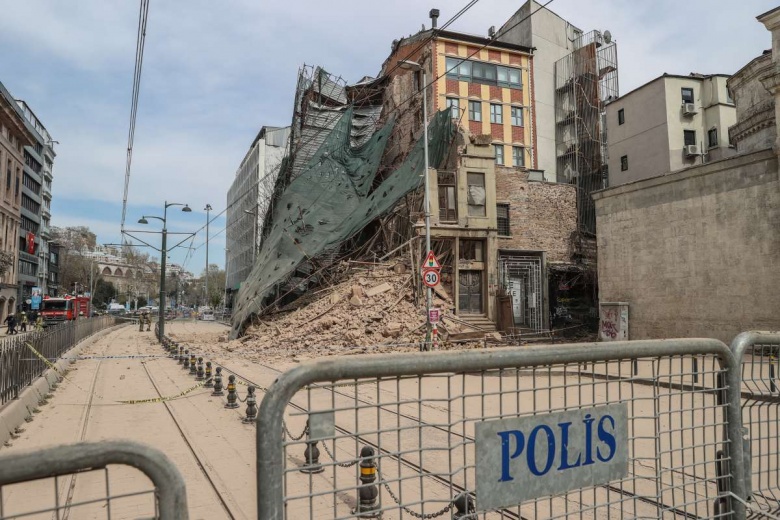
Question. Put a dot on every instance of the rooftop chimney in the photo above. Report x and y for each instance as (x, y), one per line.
(434, 14)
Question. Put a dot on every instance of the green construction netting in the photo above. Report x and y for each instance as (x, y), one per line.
(330, 202)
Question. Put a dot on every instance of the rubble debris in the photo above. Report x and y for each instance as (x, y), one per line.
(378, 289)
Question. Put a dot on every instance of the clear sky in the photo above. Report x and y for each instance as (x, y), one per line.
(215, 72)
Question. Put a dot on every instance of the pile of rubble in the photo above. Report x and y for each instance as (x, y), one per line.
(372, 310)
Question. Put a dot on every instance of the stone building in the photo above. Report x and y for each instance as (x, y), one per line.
(15, 135)
(694, 252)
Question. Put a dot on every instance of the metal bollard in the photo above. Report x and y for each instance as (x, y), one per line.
(193, 365)
(369, 491)
(181, 355)
(200, 374)
(251, 406)
(186, 364)
(218, 383)
(464, 507)
(209, 382)
(311, 455)
(232, 397)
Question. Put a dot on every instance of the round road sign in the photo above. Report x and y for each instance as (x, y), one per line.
(430, 277)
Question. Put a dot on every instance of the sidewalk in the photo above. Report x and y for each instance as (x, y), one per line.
(209, 444)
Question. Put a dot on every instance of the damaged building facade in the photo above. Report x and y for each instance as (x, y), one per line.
(694, 252)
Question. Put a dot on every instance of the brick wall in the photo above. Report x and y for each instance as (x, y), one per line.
(542, 216)
(695, 253)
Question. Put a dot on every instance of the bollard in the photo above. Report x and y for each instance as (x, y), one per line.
(209, 382)
(251, 405)
(369, 491)
(186, 364)
(218, 383)
(175, 349)
(181, 355)
(435, 336)
(464, 507)
(193, 365)
(200, 376)
(772, 387)
(232, 397)
(311, 455)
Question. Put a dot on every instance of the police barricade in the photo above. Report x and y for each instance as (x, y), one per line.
(91, 480)
(760, 400)
(623, 429)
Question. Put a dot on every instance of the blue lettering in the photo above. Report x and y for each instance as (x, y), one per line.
(505, 456)
(532, 450)
(607, 438)
(588, 440)
(565, 448)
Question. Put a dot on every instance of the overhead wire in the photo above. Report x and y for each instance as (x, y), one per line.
(143, 17)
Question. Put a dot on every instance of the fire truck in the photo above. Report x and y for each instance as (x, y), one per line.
(67, 308)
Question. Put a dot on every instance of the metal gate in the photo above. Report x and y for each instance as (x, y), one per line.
(398, 434)
(521, 278)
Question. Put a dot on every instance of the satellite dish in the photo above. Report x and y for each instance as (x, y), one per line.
(607, 37)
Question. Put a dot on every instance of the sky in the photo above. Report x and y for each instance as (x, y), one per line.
(212, 76)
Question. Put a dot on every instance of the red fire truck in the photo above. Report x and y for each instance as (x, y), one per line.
(67, 308)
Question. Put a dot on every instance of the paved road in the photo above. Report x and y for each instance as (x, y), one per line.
(209, 444)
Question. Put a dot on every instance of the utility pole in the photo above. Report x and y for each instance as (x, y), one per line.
(208, 209)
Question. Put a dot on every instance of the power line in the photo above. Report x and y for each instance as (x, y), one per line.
(143, 17)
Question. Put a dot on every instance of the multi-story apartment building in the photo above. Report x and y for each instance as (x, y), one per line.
(670, 123)
(247, 202)
(495, 222)
(15, 136)
(34, 232)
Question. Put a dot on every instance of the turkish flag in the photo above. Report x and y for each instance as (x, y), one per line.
(31, 242)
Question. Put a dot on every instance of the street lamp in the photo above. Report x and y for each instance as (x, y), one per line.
(414, 66)
(163, 254)
(208, 209)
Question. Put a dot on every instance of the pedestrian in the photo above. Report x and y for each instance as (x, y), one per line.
(23, 324)
(141, 319)
(39, 322)
(148, 323)
(10, 320)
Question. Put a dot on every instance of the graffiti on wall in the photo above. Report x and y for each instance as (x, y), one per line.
(614, 323)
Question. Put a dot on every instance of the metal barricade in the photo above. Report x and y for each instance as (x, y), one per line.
(758, 353)
(395, 434)
(43, 483)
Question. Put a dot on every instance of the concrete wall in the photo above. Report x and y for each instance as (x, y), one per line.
(542, 216)
(695, 252)
(643, 137)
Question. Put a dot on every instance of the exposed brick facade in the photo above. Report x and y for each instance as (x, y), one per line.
(475, 89)
(515, 60)
(518, 134)
(452, 86)
(495, 93)
(494, 56)
(542, 216)
(451, 48)
(516, 96)
(475, 127)
(496, 129)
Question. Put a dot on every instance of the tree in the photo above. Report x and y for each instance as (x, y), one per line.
(104, 291)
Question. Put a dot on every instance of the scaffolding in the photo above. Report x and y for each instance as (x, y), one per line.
(521, 278)
(585, 81)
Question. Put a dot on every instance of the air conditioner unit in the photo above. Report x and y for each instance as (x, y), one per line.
(691, 150)
(689, 109)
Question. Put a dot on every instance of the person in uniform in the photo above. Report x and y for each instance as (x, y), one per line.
(39, 322)
(23, 323)
(141, 318)
(148, 322)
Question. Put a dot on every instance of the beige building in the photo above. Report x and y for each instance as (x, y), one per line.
(14, 136)
(695, 252)
(672, 122)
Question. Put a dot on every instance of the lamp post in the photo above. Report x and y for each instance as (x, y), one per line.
(414, 66)
(163, 255)
(208, 209)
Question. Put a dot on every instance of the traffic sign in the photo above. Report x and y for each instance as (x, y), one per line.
(431, 262)
(433, 315)
(430, 277)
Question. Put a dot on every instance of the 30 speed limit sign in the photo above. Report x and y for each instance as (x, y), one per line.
(430, 277)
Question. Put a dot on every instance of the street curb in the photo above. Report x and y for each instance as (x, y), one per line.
(15, 413)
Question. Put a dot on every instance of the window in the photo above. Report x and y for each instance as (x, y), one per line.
(8, 175)
(499, 150)
(496, 114)
(476, 194)
(624, 163)
(475, 110)
(712, 137)
(517, 116)
(18, 182)
(483, 73)
(689, 137)
(518, 156)
(454, 105)
(486, 73)
(458, 69)
(621, 117)
(687, 94)
(471, 250)
(447, 197)
(502, 218)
